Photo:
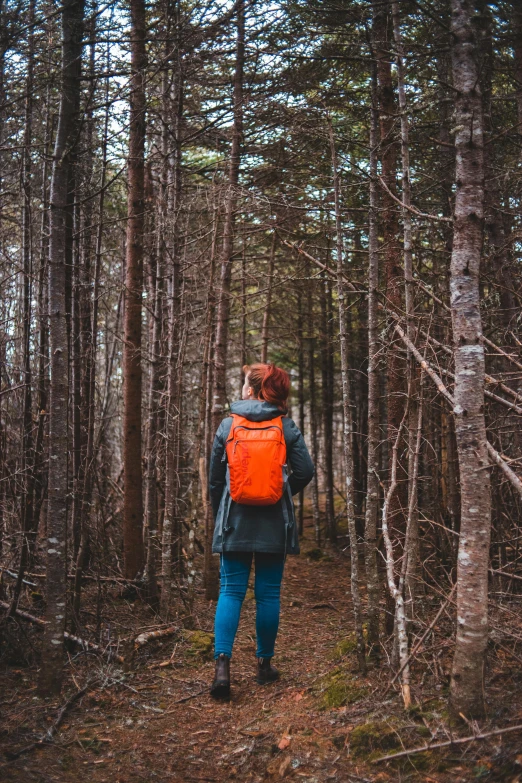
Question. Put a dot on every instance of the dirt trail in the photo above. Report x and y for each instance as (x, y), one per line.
(135, 729)
(135, 732)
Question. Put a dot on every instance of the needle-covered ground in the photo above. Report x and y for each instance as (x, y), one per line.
(320, 722)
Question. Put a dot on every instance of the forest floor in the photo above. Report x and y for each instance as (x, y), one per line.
(321, 722)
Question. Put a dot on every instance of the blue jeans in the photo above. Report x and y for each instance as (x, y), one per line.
(234, 573)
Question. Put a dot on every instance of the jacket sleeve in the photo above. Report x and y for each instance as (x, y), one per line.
(298, 457)
(218, 467)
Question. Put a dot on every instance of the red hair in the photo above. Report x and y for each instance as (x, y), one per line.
(269, 383)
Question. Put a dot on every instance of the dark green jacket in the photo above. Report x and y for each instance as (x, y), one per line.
(240, 528)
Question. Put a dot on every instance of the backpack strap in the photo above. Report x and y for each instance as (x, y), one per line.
(227, 504)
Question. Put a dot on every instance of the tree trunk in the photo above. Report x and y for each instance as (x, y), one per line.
(518, 66)
(372, 481)
(347, 414)
(210, 567)
(467, 679)
(327, 407)
(219, 396)
(314, 423)
(90, 352)
(266, 314)
(395, 391)
(411, 553)
(50, 677)
(27, 504)
(156, 365)
(300, 395)
(132, 372)
(171, 533)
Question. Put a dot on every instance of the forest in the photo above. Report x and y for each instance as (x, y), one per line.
(186, 188)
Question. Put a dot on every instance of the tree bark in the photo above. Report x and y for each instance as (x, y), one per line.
(411, 553)
(210, 567)
(171, 533)
(27, 504)
(219, 396)
(132, 371)
(300, 395)
(327, 409)
(372, 481)
(347, 414)
(467, 679)
(50, 676)
(393, 274)
(266, 314)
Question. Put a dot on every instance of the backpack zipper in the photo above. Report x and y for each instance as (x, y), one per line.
(253, 429)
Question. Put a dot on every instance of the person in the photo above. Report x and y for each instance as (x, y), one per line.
(263, 533)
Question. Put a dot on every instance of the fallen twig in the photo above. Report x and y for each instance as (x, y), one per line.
(145, 637)
(12, 575)
(179, 701)
(86, 645)
(46, 738)
(447, 743)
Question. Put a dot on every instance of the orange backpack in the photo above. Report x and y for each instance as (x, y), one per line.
(256, 455)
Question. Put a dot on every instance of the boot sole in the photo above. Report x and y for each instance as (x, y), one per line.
(221, 692)
(262, 681)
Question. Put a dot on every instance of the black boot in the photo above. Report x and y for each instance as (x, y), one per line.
(266, 672)
(221, 686)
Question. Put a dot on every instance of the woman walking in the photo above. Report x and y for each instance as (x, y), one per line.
(259, 460)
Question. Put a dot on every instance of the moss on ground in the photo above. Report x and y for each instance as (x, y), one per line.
(373, 736)
(347, 645)
(201, 643)
(339, 688)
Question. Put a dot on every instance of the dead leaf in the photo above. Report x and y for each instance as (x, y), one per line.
(298, 696)
(284, 742)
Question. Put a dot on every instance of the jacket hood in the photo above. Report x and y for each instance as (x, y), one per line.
(255, 410)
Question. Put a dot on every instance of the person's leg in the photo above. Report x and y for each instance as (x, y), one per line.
(234, 573)
(269, 573)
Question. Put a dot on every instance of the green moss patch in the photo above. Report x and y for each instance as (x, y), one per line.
(338, 688)
(373, 736)
(200, 642)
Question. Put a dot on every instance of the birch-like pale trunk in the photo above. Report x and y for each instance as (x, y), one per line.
(396, 592)
(51, 670)
(372, 479)
(347, 413)
(410, 562)
(467, 678)
(412, 524)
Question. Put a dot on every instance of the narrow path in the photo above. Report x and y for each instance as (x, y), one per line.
(138, 731)
(321, 722)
